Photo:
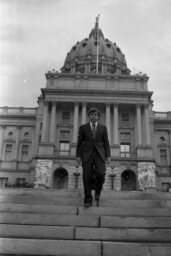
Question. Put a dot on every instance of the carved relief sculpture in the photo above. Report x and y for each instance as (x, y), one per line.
(43, 173)
(146, 175)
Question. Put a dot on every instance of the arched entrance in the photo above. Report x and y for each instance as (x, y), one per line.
(60, 179)
(128, 181)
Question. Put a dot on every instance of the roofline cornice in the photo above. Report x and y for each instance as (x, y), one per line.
(57, 75)
(93, 92)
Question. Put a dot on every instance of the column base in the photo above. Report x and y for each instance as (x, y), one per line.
(115, 150)
(151, 189)
(144, 152)
(46, 148)
(73, 149)
(38, 185)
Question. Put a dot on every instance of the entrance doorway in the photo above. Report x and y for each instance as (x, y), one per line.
(128, 181)
(60, 179)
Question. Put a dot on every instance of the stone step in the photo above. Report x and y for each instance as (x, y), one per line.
(123, 234)
(48, 219)
(32, 231)
(135, 222)
(75, 193)
(41, 192)
(134, 203)
(34, 199)
(46, 247)
(87, 221)
(86, 233)
(29, 208)
(135, 249)
(74, 210)
(127, 211)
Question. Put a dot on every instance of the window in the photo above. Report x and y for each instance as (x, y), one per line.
(84, 44)
(162, 139)
(125, 136)
(20, 182)
(3, 181)
(26, 135)
(64, 148)
(8, 152)
(65, 135)
(163, 157)
(125, 117)
(24, 152)
(10, 134)
(125, 150)
(108, 45)
(165, 186)
(65, 116)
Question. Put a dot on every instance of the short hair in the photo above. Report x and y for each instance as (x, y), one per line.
(91, 110)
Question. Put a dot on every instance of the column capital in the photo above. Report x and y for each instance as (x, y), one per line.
(46, 102)
(138, 105)
(76, 103)
(54, 103)
(146, 105)
(108, 104)
(115, 104)
(3, 126)
(84, 103)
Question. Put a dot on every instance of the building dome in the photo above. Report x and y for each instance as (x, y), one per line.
(95, 55)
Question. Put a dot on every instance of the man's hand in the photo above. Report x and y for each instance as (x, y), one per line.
(78, 161)
(108, 160)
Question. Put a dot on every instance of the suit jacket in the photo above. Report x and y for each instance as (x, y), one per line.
(86, 143)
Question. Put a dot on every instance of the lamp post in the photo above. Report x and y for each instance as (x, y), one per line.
(76, 174)
(112, 175)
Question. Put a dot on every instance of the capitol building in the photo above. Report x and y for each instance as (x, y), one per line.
(38, 145)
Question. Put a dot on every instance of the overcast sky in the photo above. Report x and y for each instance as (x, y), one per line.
(35, 36)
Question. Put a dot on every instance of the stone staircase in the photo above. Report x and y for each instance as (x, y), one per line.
(54, 222)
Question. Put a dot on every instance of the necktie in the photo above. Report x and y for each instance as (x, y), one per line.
(93, 129)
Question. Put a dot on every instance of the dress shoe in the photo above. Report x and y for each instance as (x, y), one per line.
(87, 203)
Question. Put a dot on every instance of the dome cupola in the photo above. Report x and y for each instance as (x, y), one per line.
(95, 54)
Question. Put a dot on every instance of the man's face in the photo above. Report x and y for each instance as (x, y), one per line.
(93, 117)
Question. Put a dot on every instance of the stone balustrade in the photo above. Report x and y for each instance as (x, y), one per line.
(17, 111)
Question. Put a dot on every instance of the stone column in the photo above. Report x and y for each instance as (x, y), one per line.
(84, 105)
(75, 128)
(147, 124)
(170, 146)
(52, 123)
(2, 131)
(45, 123)
(115, 124)
(108, 118)
(16, 150)
(139, 125)
(36, 137)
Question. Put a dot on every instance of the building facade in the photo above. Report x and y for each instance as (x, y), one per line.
(42, 140)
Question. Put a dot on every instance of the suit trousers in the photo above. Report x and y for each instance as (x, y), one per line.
(94, 168)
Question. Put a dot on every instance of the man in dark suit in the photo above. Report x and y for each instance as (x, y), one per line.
(93, 151)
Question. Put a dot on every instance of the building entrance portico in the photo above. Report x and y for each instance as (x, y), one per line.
(60, 179)
(128, 181)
